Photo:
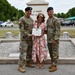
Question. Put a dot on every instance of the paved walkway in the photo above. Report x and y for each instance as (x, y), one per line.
(11, 69)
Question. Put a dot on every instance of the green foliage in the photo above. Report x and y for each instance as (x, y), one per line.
(9, 12)
(70, 13)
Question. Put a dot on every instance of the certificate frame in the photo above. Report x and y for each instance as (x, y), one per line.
(37, 31)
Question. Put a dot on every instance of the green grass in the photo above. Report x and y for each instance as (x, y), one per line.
(3, 33)
(16, 32)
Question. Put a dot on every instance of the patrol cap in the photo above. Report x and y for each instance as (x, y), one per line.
(28, 8)
(49, 8)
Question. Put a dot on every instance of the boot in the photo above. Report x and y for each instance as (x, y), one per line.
(53, 68)
(29, 65)
(21, 69)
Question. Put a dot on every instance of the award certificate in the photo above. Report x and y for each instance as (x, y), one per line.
(37, 31)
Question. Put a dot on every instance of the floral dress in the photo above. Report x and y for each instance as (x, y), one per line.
(39, 45)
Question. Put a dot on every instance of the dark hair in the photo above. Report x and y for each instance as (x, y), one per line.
(42, 15)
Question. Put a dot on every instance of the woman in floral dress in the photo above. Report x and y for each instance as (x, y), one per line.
(39, 52)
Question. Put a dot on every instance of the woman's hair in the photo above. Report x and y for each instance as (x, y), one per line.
(41, 15)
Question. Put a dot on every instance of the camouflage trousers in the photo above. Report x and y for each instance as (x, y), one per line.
(25, 52)
(54, 52)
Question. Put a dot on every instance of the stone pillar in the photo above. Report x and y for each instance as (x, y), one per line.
(8, 35)
(65, 35)
(39, 6)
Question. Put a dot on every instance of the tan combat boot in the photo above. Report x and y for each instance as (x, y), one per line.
(21, 69)
(53, 68)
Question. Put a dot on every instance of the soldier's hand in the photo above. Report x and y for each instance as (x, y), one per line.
(54, 42)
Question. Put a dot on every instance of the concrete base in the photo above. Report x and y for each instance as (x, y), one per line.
(14, 55)
(73, 41)
(14, 60)
(48, 61)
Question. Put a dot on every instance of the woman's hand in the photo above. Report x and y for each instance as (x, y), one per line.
(30, 35)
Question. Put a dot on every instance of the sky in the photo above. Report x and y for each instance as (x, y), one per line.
(58, 5)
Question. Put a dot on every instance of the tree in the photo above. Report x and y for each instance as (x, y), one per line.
(58, 15)
(9, 12)
(70, 13)
(63, 15)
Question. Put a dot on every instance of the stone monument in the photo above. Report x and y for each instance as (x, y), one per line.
(66, 35)
(39, 6)
(8, 35)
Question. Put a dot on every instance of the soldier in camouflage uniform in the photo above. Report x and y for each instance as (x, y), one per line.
(53, 34)
(25, 26)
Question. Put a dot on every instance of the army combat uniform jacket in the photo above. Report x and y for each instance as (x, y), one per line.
(53, 29)
(25, 26)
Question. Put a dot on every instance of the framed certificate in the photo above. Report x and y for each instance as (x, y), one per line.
(37, 31)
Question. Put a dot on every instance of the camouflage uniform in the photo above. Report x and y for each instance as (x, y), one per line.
(25, 26)
(53, 33)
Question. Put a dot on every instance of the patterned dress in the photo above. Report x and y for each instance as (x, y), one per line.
(39, 45)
